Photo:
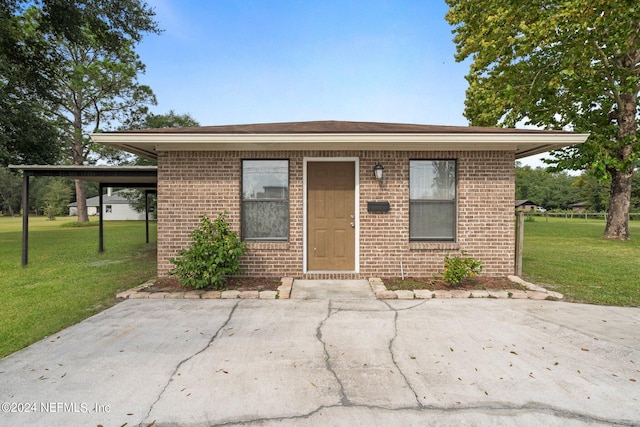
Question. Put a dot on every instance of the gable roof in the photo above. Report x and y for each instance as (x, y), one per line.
(524, 203)
(337, 135)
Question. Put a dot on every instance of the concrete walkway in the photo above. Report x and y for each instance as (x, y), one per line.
(351, 362)
(331, 289)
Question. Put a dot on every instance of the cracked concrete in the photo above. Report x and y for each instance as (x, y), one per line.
(334, 362)
(176, 371)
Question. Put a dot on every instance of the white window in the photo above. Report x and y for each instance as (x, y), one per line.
(108, 209)
(265, 200)
(432, 200)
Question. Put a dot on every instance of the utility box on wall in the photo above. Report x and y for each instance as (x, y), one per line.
(378, 207)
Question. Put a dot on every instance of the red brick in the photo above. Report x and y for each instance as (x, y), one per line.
(194, 183)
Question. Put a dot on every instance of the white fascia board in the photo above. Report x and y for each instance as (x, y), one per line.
(518, 142)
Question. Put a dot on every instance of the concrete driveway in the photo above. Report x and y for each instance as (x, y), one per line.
(332, 362)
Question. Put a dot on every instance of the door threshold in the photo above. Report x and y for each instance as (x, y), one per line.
(331, 272)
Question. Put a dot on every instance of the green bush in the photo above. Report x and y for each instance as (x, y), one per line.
(457, 269)
(214, 254)
(50, 212)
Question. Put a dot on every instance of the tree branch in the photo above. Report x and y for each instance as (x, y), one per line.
(610, 79)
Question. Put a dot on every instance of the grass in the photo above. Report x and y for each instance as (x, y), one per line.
(67, 280)
(570, 256)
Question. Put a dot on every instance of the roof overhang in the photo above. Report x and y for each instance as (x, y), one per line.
(523, 144)
(117, 176)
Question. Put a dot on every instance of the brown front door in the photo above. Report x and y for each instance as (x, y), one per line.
(331, 216)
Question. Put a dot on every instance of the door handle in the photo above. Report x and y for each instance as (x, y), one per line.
(353, 225)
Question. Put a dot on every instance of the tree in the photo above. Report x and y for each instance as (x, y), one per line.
(96, 89)
(57, 198)
(136, 198)
(159, 121)
(551, 190)
(10, 191)
(635, 192)
(559, 65)
(95, 86)
(26, 133)
(29, 64)
(594, 193)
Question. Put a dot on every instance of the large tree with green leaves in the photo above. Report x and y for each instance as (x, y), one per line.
(569, 64)
(29, 64)
(27, 134)
(95, 86)
(75, 59)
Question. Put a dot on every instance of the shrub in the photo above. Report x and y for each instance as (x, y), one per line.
(457, 269)
(214, 254)
(50, 212)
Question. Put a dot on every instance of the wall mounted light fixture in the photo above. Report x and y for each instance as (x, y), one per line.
(378, 171)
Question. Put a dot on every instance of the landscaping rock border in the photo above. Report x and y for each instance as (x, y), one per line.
(533, 292)
(283, 292)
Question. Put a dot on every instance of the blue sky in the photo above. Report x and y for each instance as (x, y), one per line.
(258, 61)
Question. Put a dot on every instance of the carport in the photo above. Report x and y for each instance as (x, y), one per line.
(140, 177)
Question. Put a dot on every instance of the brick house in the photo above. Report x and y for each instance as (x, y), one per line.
(306, 199)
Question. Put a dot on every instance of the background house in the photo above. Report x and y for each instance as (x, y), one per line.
(578, 207)
(115, 207)
(525, 206)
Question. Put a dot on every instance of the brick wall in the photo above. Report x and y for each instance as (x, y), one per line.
(194, 183)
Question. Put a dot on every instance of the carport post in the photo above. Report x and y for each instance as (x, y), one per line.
(146, 213)
(100, 219)
(519, 243)
(25, 218)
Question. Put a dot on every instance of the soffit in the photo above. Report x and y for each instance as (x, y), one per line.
(338, 135)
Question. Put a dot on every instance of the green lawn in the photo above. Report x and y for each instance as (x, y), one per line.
(570, 256)
(67, 280)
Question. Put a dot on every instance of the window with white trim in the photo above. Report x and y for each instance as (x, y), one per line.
(432, 200)
(265, 200)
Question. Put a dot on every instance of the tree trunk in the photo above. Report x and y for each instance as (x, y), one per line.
(81, 199)
(78, 155)
(621, 176)
(618, 215)
(81, 196)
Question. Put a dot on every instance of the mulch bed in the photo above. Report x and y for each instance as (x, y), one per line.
(172, 284)
(434, 284)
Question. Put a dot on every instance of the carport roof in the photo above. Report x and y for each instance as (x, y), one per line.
(125, 176)
(144, 177)
(338, 135)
